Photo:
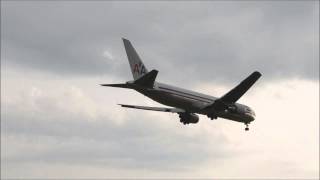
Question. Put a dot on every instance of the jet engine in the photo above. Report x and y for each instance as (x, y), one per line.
(187, 118)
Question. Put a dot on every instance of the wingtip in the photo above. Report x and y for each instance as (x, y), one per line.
(125, 105)
(104, 84)
(257, 73)
(125, 39)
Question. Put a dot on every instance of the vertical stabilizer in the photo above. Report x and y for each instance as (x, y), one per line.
(136, 65)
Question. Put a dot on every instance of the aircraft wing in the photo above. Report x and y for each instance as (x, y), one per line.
(162, 109)
(236, 93)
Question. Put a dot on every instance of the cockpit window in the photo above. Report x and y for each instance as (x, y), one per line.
(250, 111)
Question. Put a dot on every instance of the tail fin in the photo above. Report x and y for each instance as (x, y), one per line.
(136, 65)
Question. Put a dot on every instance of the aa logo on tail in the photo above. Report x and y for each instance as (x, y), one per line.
(139, 68)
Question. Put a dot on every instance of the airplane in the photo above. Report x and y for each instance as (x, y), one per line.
(187, 104)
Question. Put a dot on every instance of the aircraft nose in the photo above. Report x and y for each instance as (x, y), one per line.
(250, 117)
(250, 114)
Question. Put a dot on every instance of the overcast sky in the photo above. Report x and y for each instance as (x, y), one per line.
(56, 121)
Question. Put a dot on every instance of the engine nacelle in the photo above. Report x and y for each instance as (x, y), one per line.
(187, 118)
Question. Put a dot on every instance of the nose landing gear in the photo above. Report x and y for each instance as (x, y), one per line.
(247, 127)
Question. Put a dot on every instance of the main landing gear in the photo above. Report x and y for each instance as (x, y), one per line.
(212, 116)
(247, 127)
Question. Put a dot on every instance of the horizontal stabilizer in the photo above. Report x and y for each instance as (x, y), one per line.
(117, 85)
(162, 109)
(148, 79)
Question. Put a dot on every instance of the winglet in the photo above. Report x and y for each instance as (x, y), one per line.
(148, 79)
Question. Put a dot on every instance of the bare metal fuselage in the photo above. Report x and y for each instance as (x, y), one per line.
(193, 102)
(184, 102)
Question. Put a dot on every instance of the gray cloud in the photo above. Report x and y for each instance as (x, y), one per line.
(204, 39)
(75, 138)
(55, 46)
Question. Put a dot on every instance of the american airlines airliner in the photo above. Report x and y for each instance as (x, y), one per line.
(187, 104)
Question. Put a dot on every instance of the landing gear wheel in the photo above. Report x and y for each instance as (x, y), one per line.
(212, 116)
(247, 127)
